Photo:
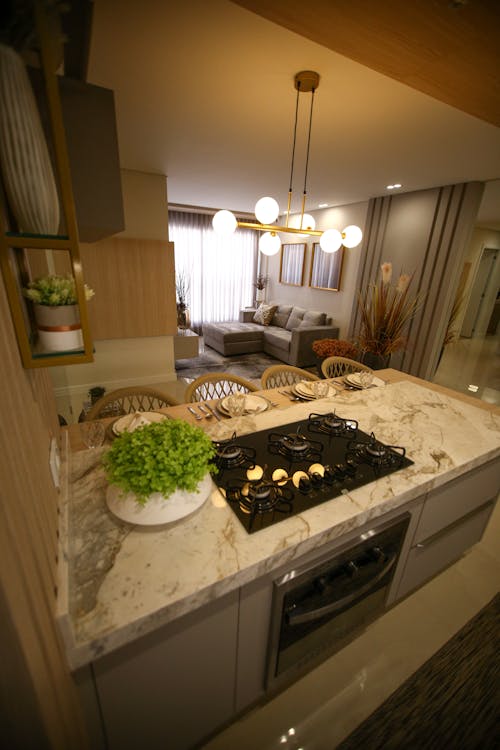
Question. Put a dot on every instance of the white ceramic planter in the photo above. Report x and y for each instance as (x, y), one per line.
(59, 327)
(24, 156)
(157, 509)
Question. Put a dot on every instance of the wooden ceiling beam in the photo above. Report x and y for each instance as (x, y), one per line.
(448, 49)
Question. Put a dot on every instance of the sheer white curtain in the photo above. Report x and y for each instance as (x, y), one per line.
(220, 270)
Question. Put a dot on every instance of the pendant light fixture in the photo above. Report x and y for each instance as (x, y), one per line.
(267, 209)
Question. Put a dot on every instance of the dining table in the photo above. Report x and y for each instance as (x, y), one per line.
(211, 418)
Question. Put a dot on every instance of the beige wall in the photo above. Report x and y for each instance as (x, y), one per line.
(337, 304)
(131, 361)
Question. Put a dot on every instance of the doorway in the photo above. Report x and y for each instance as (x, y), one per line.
(483, 295)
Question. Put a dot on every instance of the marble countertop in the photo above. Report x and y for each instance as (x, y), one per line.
(118, 581)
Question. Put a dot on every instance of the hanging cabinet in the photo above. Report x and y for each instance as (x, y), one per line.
(27, 256)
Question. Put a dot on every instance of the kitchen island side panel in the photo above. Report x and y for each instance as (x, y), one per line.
(174, 686)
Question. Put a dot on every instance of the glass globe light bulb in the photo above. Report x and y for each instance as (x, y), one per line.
(351, 236)
(224, 222)
(267, 210)
(308, 221)
(269, 243)
(330, 241)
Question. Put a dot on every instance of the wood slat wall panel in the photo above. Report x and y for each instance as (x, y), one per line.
(28, 542)
(134, 284)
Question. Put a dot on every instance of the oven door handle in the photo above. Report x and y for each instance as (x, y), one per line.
(300, 616)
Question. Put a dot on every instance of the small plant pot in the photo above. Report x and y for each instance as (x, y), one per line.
(157, 509)
(59, 327)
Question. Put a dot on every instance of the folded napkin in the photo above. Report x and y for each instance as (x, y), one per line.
(139, 419)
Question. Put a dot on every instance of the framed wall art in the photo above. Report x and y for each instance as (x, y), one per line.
(326, 269)
(292, 264)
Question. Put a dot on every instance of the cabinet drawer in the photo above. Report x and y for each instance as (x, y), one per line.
(434, 555)
(456, 499)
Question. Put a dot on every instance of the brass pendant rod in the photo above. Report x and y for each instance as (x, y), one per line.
(274, 228)
(290, 189)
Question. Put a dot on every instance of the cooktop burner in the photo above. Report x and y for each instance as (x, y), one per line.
(274, 474)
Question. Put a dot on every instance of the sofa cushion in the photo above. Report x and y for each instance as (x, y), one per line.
(296, 317)
(233, 331)
(281, 315)
(313, 318)
(278, 337)
(264, 314)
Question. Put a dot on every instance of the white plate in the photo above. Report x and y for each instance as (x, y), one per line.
(124, 424)
(305, 389)
(353, 379)
(253, 404)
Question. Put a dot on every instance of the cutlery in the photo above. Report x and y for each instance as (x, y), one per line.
(290, 396)
(205, 413)
(194, 413)
(214, 413)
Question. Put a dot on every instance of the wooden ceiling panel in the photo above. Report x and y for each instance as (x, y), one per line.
(448, 49)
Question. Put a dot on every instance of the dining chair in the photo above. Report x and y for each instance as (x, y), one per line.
(278, 376)
(217, 385)
(128, 400)
(334, 367)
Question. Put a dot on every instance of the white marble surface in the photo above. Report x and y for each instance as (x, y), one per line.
(120, 581)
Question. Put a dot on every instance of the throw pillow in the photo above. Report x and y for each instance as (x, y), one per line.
(264, 314)
(281, 315)
(295, 318)
(313, 318)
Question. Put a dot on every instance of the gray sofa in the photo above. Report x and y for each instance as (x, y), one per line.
(288, 337)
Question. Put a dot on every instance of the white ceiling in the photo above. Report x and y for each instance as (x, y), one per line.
(204, 94)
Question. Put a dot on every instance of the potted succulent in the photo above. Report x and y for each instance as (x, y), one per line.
(159, 472)
(56, 311)
(324, 348)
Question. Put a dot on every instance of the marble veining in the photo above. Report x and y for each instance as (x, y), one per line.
(121, 581)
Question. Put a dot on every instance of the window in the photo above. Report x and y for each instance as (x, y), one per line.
(220, 270)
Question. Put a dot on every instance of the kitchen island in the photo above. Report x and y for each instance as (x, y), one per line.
(127, 591)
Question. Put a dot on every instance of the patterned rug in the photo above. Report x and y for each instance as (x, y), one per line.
(451, 703)
(248, 366)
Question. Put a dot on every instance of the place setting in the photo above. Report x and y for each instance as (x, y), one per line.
(131, 422)
(242, 404)
(310, 390)
(363, 380)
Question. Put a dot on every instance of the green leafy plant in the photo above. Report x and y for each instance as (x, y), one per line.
(54, 291)
(386, 309)
(159, 457)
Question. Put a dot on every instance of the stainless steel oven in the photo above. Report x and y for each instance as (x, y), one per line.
(318, 609)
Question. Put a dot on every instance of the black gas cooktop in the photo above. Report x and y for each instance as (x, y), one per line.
(274, 474)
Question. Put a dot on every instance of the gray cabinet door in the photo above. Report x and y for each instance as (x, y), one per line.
(428, 558)
(170, 689)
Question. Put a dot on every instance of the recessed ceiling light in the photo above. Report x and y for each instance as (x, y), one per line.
(395, 186)
(473, 388)
(322, 205)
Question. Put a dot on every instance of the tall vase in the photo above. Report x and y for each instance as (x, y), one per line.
(24, 157)
(183, 317)
(375, 361)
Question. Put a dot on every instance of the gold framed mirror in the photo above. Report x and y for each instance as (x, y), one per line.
(292, 263)
(326, 269)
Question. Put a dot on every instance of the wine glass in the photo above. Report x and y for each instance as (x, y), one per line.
(92, 434)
